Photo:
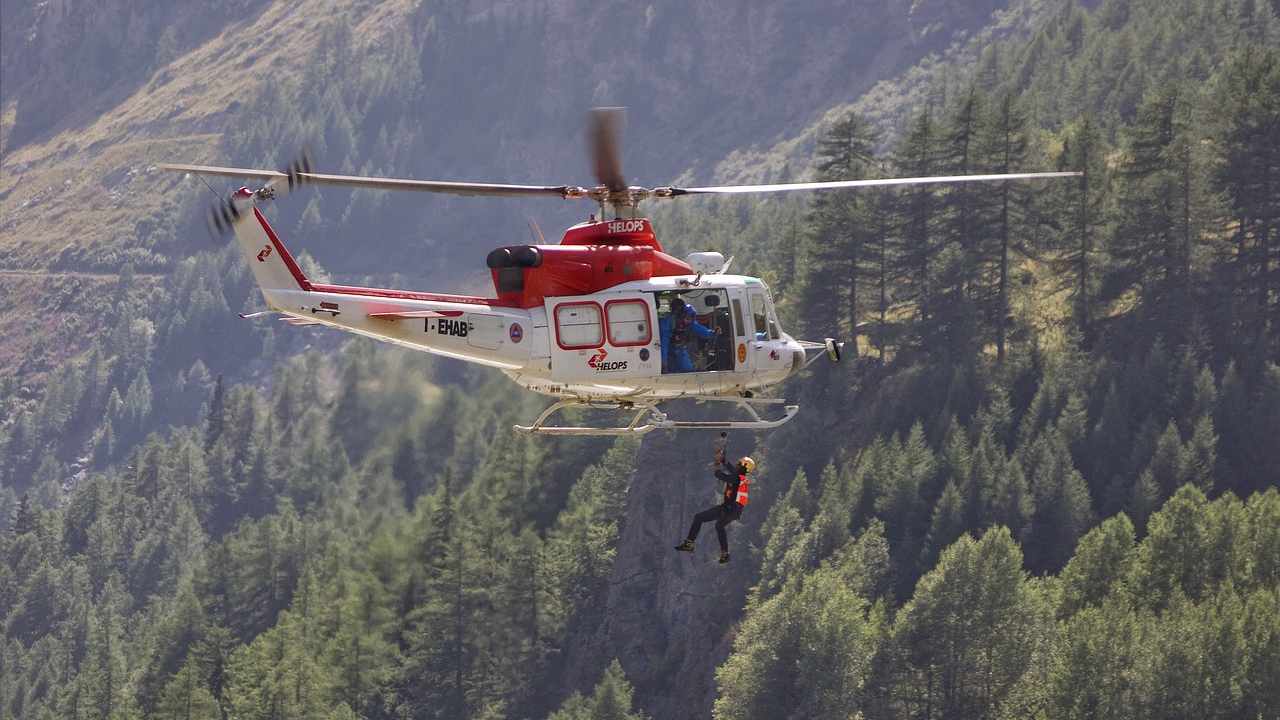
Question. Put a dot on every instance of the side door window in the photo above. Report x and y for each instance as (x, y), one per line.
(628, 322)
(579, 326)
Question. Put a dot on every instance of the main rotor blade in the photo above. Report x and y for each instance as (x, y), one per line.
(603, 143)
(837, 184)
(436, 186)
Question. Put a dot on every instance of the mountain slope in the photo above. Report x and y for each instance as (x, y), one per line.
(347, 529)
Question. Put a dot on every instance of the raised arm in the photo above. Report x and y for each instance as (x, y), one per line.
(701, 330)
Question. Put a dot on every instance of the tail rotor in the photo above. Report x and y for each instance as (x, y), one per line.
(222, 215)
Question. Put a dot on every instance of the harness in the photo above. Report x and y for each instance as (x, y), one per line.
(741, 497)
(680, 328)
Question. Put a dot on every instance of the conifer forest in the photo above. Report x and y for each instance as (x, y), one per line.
(1043, 483)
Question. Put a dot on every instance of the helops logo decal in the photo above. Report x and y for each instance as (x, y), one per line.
(626, 226)
(598, 363)
(264, 253)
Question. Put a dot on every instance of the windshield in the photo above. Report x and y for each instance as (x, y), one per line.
(774, 330)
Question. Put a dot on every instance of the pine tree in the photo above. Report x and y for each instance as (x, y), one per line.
(406, 468)
(432, 678)
(1143, 500)
(1250, 175)
(351, 415)
(815, 621)
(1201, 455)
(1174, 557)
(797, 497)
(948, 524)
(1005, 143)
(1264, 537)
(784, 530)
(1161, 206)
(880, 267)
(1084, 216)
(836, 250)
(187, 697)
(962, 230)
(900, 505)
(1103, 560)
(579, 550)
(611, 700)
(966, 669)
(952, 228)
(24, 516)
(1063, 511)
(104, 671)
(916, 217)
(1092, 675)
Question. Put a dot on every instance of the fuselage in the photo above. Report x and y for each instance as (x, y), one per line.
(603, 345)
(605, 315)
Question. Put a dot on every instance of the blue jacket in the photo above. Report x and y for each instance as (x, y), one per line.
(667, 325)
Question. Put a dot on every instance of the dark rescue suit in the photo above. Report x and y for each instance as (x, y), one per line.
(735, 497)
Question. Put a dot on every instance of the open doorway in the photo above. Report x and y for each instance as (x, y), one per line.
(696, 330)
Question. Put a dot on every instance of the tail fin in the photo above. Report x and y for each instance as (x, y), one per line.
(273, 267)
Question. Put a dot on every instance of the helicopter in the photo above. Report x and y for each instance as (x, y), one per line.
(583, 321)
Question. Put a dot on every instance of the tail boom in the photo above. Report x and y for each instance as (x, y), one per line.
(481, 330)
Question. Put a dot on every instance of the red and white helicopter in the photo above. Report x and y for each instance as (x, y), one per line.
(583, 321)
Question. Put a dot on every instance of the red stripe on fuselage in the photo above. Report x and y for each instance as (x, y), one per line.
(301, 279)
(410, 295)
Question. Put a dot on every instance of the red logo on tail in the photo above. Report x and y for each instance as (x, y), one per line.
(264, 253)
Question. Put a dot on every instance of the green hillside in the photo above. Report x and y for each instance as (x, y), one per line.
(1043, 485)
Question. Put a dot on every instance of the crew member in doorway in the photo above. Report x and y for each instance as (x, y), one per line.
(734, 477)
(675, 330)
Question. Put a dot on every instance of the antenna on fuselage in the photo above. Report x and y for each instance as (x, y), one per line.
(536, 232)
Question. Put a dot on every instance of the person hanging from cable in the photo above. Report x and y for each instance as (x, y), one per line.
(734, 477)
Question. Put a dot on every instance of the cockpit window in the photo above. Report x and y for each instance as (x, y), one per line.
(774, 332)
(758, 313)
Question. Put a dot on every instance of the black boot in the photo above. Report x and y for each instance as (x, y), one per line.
(686, 546)
(724, 557)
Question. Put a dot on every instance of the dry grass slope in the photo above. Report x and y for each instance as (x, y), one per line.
(71, 202)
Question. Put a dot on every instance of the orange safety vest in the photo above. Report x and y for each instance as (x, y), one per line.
(743, 486)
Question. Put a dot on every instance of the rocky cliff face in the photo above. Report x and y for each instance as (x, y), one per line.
(668, 617)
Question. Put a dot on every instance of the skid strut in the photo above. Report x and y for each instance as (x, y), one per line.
(658, 420)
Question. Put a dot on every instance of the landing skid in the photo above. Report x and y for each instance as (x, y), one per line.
(648, 417)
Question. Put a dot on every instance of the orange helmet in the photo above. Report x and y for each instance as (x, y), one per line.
(747, 464)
